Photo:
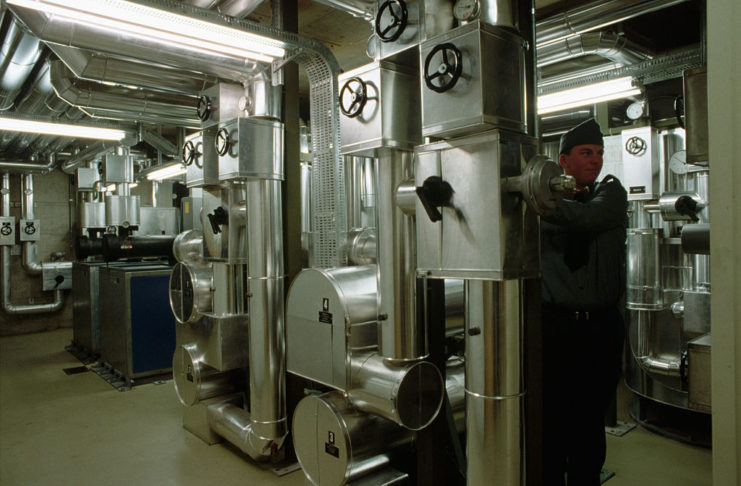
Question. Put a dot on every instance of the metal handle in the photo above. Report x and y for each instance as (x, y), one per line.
(433, 193)
(399, 17)
(217, 218)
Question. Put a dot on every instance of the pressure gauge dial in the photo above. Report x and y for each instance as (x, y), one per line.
(466, 10)
(636, 110)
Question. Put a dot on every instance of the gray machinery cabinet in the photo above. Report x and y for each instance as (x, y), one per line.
(484, 233)
(137, 328)
(370, 119)
(85, 305)
(487, 90)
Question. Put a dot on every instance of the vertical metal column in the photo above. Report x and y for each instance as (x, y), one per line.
(399, 336)
(494, 382)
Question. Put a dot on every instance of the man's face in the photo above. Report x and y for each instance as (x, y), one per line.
(584, 163)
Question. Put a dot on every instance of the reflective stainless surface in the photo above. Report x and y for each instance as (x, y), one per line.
(242, 429)
(336, 444)
(400, 336)
(363, 246)
(255, 150)
(668, 206)
(409, 393)
(92, 215)
(85, 301)
(614, 47)
(191, 291)
(204, 169)
(329, 314)
(503, 13)
(195, 381)
(644, 269)
(494, 383)
(380, 123)
(20, 51)
(641, 168)
(188, 246)
(491, 56)
(485, 233)
(122, 210)
(700, 388)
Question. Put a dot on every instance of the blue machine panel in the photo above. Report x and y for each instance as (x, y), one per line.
(152, 324)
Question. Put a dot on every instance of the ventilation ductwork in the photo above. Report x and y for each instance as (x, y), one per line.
(593, 16)
(101, 100)
(611, 46)
(20, 52)
(92, 66)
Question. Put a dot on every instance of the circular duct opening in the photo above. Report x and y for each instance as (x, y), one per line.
(420, 396)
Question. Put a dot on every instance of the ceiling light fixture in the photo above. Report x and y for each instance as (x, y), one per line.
(587, 95)
(167, 172)
(175, 29)
(60, 129)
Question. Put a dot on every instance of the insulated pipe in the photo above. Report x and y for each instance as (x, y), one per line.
(122, 103)
(18, 56)
(24, 167)
(593, 16)
(266, 310)
(239, 427)
(89, 154)
(494, 382)
(645, 356)
(114, 248)
(30, 249)
(93, 66)
(400, 336)
(7, 306)
(606, 44)
(238, 8)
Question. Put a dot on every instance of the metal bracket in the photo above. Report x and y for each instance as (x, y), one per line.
(277, 67)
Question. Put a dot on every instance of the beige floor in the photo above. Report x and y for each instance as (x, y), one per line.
(58, 429)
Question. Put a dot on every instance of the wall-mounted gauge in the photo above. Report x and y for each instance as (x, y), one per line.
(466, 10)
(636, 110)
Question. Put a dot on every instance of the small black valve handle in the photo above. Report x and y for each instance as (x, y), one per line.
(223, 144)
(58, 279)
(433, 193)
(447, 72)
(217, 218)
(687, 206)
(203, 108)
(353, 96)
(399, 18)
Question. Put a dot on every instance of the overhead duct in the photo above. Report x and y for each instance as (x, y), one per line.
(611, 46)
(20, 52)
(593, 16)
(93, 66)
(238, 8)
(122, 103)
(90, 153)
(28, 167)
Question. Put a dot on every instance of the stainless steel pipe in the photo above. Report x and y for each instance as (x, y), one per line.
(494, 382)
(400, 336)
(30, 249)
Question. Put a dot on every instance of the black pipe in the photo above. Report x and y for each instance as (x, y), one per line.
(86, 247)
(115, 248)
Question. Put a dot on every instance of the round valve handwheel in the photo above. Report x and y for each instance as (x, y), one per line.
(448, 70)
(390, 31)
(203, 108)
(353, 96)
(222, 142)
(189, 153)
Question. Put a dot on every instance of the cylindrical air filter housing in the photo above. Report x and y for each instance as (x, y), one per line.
(188, 246)
(336, 444)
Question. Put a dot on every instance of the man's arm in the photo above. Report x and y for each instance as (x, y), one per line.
(607, 209)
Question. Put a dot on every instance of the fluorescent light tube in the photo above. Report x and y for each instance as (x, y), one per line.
(60, 129)
(141, 20)
(110, 187)
(167, 172)
(587, 95)
(133, 185)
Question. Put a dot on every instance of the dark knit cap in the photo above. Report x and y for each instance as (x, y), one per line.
(587, 132)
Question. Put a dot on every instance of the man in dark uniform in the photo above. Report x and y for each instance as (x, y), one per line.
(583, 279)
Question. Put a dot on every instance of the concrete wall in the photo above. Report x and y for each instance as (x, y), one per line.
(724, 121)
(52, 207)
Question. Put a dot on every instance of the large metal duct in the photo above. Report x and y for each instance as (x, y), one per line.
(93, 66)
(7, 306)
(89, 154)
(594, 16)
(20, 52)
(611, 46)
(122, 103)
